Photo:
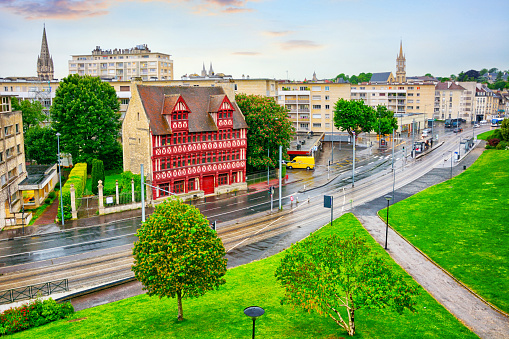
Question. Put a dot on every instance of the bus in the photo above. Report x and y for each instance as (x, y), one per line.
(496, 122)
(452, 123)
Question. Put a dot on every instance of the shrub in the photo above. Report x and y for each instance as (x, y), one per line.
(52, 195)
(47, 201)
(502, 145)
(97, 174)
(77, 177)
(33, 314)
(125, 182)
(493, 142)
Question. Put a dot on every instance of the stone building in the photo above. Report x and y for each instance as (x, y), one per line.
(191, 140)
(12, 162)
(45, 69)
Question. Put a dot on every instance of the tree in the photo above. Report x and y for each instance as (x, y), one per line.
(31, 112)
(483, 71)
(326, 274)
(493, 70)
(504, 130)
(97, 174)
(269, 128)
(428, 75)
(354, 116)
(386, 122)
(41, 145)
(85, 113)
(178, 254)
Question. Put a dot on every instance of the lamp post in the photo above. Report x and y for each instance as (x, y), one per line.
(60, 178)
(332, 140)
(254, 312)
(452, 152)
(353, 169)
(388, 198)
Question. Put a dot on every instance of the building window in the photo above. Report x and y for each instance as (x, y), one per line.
(327, 106)
(178, 187)
(327, 88)
(17, 128)
(164, 188)
(327, 125)
(124, 101)
(317, 125)
(3, 179)
(317, 97)
(327, 97)
(223, 179)
(317, 116)
(190, 185)
(317, 106)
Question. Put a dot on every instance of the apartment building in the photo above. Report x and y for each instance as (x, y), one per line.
(409, 101)
(123, 64)
(311, 104)
(486, 104)
(12, 162)
(448, 97)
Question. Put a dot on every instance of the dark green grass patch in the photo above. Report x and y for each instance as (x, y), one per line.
(463, 225)
(485, 135)
(219, 314)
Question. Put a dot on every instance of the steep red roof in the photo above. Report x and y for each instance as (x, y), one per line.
(200, 100)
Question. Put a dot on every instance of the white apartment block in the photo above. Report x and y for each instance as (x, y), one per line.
(123, 64)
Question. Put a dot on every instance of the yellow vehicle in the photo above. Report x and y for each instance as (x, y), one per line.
(302, 162)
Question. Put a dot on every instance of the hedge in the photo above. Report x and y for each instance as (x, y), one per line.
(78, 177)
(33, 314)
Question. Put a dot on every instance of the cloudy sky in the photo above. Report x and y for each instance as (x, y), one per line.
(263, 38)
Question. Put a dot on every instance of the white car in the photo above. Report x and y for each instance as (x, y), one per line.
(477, 125)
(424, 134)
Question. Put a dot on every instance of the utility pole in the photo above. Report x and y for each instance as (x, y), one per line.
(280, 173)
(353, 169)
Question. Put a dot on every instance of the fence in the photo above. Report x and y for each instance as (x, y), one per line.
(254, 178)
(124, 198)
(29, 292)
(88, 206)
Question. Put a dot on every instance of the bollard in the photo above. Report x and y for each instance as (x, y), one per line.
(308, 199)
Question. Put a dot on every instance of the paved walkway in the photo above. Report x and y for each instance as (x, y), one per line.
(463, 304)
(49, 214)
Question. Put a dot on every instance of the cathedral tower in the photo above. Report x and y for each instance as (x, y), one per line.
(44, 61)
(400, 65)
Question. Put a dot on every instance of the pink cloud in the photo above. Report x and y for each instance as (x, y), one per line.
(300, 44)
(56, 9)
(277, 33)
(247, 53)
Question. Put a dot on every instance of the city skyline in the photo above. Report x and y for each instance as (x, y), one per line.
(262, 39)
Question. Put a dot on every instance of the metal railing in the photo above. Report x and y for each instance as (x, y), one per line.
(29, 292)
(259, 177)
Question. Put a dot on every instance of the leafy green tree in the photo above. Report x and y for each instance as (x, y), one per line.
(445, 79)
(504, 129)
(85, 113)
(354, 79)
(178, 254)
(386, 122)
(327, 274)
(97, 174)
(428, 75)
(354, 116)
(41, 145)
(493, 70)
(31, 112)
(483, 71)
(269, 127)
(341, 75)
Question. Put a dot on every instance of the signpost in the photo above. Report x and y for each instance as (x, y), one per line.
(329, 203)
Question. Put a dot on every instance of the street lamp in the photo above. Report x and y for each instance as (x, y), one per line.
(353, 168)
(60, 178)
(452, 152)
(388, 198)
(254, 312)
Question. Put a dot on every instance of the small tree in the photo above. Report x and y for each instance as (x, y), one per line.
(31, 111)
(178, 254)
(97, 174)
(354, 116)
(385, 121)
(325, 275)
(41, 145)
(504, 129)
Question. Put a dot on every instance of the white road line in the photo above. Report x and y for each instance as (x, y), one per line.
(39, 242)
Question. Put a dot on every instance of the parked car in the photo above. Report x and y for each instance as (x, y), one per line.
(424, 134)
(476, 125)
(484, 122)
(302, 162)
(457, 130)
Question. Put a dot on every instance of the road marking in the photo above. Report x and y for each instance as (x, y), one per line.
(39, 242)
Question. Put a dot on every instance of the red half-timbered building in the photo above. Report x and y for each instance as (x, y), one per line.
(194, 140)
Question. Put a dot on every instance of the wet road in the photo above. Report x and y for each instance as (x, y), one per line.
(310, 185)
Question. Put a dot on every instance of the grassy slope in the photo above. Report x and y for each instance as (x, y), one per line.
(463, 225)
(219, 314)
(485, 135)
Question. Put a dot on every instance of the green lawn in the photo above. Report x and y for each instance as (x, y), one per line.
(109, 185)
(485, 135)
(463, 225)
(219, 314)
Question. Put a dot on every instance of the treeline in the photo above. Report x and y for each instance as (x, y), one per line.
(493, 77)
(354, 79)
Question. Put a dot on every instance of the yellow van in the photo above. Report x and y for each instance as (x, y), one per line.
(302, 162)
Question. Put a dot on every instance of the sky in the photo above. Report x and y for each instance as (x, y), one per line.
(263, 38)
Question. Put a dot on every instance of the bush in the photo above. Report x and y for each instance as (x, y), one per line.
(33, 314)
(47, 201)
(493, 142)
(125, 182)
(77, 177)
(502, 145)
(52, 195)
(97, 174)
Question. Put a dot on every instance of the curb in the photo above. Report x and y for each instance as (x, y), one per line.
(95, 289)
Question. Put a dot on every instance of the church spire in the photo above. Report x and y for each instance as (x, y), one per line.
(44, 61)
(211, 71)
(203, 71)
(401, 65)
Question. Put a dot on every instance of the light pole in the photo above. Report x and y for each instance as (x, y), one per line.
(353, 169)
(332, 140)
(254, 312)
(452, 152)
(388, 198)
(268, 156)
(60, 178)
